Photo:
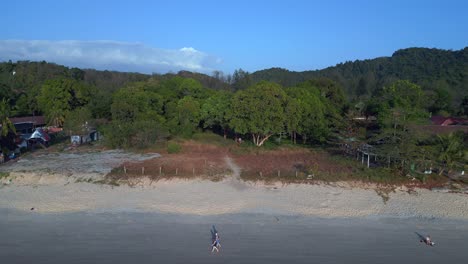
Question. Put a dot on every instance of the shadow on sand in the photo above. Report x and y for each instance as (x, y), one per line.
(421, 237)
(213, 232)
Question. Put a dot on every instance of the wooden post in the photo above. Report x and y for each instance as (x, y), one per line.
(193, 171)
(176, 170)
(296, 174)
(160, 170)
(368, 160)
(143, 170)
(278, 173)
(261, 176)
(125, 170)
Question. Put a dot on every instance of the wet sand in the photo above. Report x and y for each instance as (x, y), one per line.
(124, 237)
(76, 221)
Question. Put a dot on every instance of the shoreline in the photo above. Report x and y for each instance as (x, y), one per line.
(124, 237)
(56, 193)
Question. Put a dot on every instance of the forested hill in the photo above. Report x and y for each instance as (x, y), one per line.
(28, 75)
(431, 68)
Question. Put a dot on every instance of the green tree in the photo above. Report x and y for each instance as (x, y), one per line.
(294, 115)
(147, 132)
(403, 102)
(22, 106)
(463, 109)
(332, 97)
(441, 101)
(100, 105)
(311, 113)
(361, 89)
(5, 111)
(215, 111)
(134, 103)
(398, 106)
(78, 121)
(259, 111)
(188, 116)
(118, 134)
(137, 116)
(191, 87)
(451, 149)
(240, 80)
(59, 96)
(77, 74)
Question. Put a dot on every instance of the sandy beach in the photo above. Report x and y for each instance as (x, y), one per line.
(54, 210)
(65, 182)
(57, 193)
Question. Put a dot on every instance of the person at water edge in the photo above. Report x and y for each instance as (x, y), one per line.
(214, 247)
(428, 240)
(218, 244)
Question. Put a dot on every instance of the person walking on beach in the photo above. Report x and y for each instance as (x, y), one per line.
(215, 240)
(429, 241)
(214, 247)
(218, 245)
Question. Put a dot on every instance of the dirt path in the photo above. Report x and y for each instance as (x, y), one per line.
(236, 170)
(235, 180)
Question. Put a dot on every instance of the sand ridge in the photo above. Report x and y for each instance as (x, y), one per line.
(67, 182)
(57, 193)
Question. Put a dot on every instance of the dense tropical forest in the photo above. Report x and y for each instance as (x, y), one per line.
(380, 106)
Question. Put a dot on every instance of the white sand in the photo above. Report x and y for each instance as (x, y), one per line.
(51, 183)
(55, 193)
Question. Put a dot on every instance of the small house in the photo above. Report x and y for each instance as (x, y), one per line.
(92, 135)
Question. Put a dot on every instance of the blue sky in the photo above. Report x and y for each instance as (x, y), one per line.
(160, 36)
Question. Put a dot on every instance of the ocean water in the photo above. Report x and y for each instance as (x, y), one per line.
(131, 237)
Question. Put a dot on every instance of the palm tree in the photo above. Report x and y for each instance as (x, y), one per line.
(5, 121)
(451, 149)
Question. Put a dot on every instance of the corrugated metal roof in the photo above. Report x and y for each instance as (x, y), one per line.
(36, 120)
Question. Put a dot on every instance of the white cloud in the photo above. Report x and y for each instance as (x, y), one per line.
(109, 55)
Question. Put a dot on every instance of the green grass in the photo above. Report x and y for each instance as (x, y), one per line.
(173, 147)
(108, 181)
(4, 175)
(212, 138)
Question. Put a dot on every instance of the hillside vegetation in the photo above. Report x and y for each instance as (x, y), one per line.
(432, 69)
(268, 108)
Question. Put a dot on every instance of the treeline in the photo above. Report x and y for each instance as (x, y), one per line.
(145, 112)
(321, 107)
(442, 74)
(21, 82)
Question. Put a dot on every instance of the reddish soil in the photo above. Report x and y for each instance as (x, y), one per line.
(289, 165)
(195, 160)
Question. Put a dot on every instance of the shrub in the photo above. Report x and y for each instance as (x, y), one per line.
(173, 147)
